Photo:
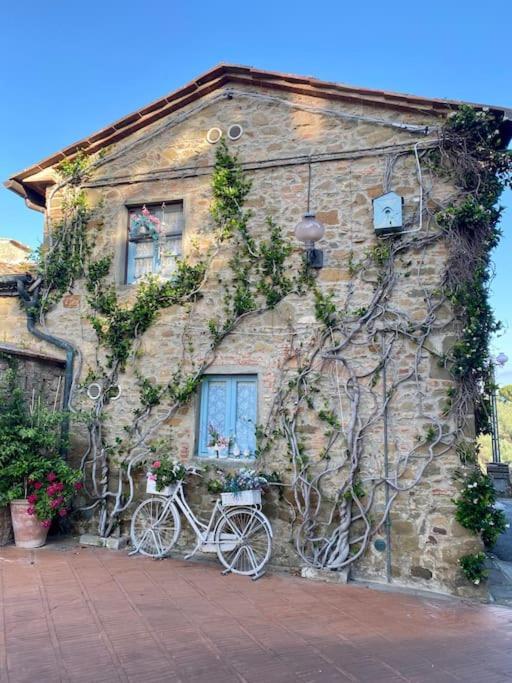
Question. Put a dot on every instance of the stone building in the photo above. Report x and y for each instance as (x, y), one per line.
(13, 254)
(40, 373)
(352, 145)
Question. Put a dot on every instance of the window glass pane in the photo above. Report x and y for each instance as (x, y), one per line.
(144, 254)
(217, 404)
(245, 417)
(170, 248)
(172, 218)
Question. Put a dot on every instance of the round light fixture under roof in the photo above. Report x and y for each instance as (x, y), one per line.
(235, 131)
(213, 135)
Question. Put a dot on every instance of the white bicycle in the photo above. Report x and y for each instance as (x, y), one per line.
(240, 534)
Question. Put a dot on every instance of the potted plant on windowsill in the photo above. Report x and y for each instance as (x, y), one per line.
(218, 445)
(163, 476)
(145, 224)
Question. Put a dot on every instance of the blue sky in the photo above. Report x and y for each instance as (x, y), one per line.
(69, 68)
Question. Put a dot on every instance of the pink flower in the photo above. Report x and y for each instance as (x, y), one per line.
(63, 512)
(78, 486)
(145, 212)
(30, 511)
(152, 477)
(32, 498)
(38, 485)
(46, 523)
(56, 502)
(156, 464)
(51, 476)
(54, 489)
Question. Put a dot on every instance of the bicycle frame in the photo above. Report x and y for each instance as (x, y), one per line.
(205, 532)
(209, 538)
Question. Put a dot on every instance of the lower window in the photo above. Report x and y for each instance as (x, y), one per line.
(228, 413)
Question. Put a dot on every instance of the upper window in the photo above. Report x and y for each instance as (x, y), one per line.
(154, 240)
(227, 424)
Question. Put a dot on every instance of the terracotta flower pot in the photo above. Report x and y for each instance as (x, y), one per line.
(28, 530)
(5, 525)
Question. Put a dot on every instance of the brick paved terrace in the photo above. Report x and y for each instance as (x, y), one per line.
(76, 614)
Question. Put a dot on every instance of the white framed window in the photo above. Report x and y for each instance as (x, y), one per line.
(228, 415)
(154, 239)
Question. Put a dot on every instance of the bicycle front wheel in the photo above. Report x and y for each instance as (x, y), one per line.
(155, 527)
(244, 541)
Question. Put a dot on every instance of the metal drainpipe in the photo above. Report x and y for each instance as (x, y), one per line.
(386, 470)
(59, 343)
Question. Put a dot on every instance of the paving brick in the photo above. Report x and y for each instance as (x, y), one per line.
(118, 618)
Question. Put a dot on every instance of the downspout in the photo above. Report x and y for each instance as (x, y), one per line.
(386, 467)
(29, 306)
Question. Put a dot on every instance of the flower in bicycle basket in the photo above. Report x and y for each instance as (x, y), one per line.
(244, 480)
(166, 472)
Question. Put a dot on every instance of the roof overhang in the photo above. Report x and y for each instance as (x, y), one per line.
(31, 184)
(26, 354)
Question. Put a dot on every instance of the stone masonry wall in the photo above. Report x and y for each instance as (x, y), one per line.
(42, 378)
(175, 164)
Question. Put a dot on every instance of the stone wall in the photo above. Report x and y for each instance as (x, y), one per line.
(41, 376)
(172, 161)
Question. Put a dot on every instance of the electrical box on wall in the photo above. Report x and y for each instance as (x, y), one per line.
(387, 213)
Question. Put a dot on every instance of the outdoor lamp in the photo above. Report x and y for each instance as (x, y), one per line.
(501, 359)
(309, 230)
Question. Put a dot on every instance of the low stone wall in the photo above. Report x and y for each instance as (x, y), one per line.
(40, 375)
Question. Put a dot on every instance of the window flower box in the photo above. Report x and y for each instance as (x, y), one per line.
(251, 497)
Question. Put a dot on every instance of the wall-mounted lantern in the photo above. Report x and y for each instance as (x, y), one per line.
(310, 230)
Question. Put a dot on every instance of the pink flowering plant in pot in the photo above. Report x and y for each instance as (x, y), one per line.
(35, 480)
(145, 224)
(50, 495)
(41, 488)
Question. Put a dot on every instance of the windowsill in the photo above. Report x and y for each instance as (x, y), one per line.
(229, 462)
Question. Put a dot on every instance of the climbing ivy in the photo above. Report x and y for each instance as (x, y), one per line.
(471, 155)
(260, 270)
(117, 325)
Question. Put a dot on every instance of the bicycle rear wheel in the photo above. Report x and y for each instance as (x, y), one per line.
(155, 529)
(244, 541)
